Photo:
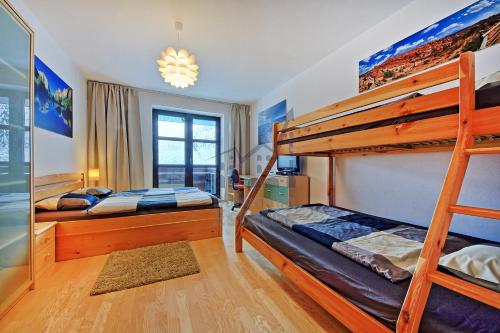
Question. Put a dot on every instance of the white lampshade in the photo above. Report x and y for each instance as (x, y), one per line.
(178, 68)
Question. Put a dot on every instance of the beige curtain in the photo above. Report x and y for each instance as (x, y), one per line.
(239, 139)
(114, 141)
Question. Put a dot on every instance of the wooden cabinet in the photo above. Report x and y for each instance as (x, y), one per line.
(45, 247)
(278, 192)
(285, 191)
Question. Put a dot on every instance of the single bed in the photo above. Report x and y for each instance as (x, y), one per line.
(80, 234)
(446, 311)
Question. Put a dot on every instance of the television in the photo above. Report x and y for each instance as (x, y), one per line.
(288, 164)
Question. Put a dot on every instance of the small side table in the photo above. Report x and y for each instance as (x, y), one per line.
(45, 247)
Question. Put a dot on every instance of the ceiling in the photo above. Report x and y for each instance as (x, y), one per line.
(244, 48)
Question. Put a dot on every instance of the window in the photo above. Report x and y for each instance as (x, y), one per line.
(186, 151)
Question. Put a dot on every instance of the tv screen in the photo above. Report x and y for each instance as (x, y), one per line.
(288, 163)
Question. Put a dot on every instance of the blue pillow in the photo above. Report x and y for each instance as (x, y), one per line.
(97, 191)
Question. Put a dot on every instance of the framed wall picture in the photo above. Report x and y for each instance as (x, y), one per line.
(274, 114)
(473, 28)
(53, 101)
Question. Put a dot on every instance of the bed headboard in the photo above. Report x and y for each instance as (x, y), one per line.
(59, 183)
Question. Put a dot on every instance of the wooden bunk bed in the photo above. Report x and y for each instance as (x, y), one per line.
(467, 132)
(103, 234)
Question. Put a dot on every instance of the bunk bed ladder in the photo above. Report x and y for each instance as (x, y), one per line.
(426, 272)
(238, 240)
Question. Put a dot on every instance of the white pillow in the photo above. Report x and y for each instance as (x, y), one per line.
(479, 264)
(492, 78)
(49, 203)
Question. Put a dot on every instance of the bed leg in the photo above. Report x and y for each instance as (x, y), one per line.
(220, 220)
(238, 242)
(238, 237)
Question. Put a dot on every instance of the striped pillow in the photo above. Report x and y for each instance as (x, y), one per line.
(69, 201)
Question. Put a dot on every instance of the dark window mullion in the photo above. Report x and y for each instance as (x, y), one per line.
(188, 133)
(217, 156)
(155, 149)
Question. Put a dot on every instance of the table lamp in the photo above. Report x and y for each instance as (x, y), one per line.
(94, 175)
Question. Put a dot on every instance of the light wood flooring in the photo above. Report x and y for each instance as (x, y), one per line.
(233, 293)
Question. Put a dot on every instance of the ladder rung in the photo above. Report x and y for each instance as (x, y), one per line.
(468, 289)
(485, 150)
(476, 211)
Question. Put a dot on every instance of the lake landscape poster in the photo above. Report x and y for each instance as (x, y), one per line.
(274, 114)
(53, 101)
(473, 28)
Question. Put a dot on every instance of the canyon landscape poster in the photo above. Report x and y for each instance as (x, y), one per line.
(53, 101)
(471, 29)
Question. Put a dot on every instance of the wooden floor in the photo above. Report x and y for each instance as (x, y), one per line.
(233, 293)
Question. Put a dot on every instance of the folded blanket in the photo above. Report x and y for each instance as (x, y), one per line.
(387, 247)
(151, 199)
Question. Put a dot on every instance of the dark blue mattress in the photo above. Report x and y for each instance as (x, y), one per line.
(446, 311)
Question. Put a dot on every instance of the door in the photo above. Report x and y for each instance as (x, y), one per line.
(16, 82)
(186, 151)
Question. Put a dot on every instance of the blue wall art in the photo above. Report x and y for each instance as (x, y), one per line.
(274, 114)
(53, 101)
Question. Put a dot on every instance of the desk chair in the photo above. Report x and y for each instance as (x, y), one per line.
(237, 188)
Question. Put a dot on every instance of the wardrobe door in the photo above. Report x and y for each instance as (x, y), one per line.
(16, 227)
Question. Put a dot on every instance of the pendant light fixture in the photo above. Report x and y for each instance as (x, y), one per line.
(178, 67)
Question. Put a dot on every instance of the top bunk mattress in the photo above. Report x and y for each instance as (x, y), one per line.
(446, 311)
(486, 96)
(136, 202)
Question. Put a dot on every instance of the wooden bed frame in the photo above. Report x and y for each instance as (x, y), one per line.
(457, 132)
(85, 238)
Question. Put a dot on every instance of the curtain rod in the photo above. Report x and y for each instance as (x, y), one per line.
(164, 93)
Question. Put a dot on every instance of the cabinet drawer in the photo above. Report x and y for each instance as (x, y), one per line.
(276, 193)
(283, 181)
(268, 191)
(278, 181)
(270, 204)
(282, 195)
(44, 258)
(46, 238)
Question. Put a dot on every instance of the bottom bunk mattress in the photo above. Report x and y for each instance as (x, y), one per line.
(446, 311)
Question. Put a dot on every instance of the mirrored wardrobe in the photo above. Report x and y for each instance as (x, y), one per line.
(16, 100)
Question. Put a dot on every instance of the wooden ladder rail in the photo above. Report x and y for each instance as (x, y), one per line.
(426, 270)
(238, 240)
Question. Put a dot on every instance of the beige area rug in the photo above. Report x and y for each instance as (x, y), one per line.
(145, 265)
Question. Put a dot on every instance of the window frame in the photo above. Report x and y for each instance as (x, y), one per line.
(188, 146)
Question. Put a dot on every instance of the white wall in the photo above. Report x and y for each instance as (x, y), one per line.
(402, 187)
(56, 153)
(149, 100)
